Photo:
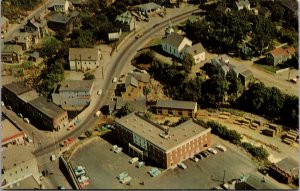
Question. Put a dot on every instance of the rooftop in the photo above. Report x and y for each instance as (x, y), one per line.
(8, 130)
(196, 49)
(7, 48)
(14, 155)
(148, 6)
(174, 39)
(28, 183)
(61, 18)
(130, 80)
(140, 76)
(17, 87)
(76, 85)
(125, 17)
(281, 51)
(257, 181)
(246, 73)
(20, 37)
(29, 95)
(89, 54)
(287, 164)
(176, 104)
(242, 3)
(45, 107)
(155, 134)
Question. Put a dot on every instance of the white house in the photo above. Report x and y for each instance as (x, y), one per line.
(178, 46)
(174, 44)
(197, 51)
(82, 59)
(61, 6)
(18, 163)
(73, 94)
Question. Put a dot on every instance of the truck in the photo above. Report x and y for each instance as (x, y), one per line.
(52, 157)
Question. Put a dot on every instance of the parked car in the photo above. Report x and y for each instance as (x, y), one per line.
(221, 148)
(134, 160)
(154, 172)
(122, 175)
(182, 165)
(118, 150)
(115, 80)
(98, 113)
(140, 164)
(205, 154)
(61, 187)
(20, 115)
(125, 180)
(26, 120)
(213, 151)
(199, 156)
(195, 159)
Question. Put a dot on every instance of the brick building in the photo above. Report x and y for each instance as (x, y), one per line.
(165, 147)
(176, 108)
(285, 170)
(51, 116)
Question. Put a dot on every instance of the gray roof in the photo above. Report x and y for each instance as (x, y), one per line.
(195, 49)
(59, 2)
(176, 104)
(130, 80)
(287, 164)
(16, 155)
(17, 87)
(242, 3)
(61, 18)
(174, 39)
(125, 17)
(151, 131)
(85, 54)
(141, 77)
(48, 108)
(148, 6)
(3, 20)
(8, 48)
(246, 73)
(76, 85)
(256, 181)
(20, 37)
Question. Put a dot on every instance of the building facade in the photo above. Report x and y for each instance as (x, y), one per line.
(165, 147)
(280, 55)
(73, 94)
(82, 59)
(61, 6)
(48, 115)
(176, 108)
(66, 23)
(125, 21)
(18, 163)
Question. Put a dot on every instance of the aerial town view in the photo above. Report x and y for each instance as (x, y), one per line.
(149, 94)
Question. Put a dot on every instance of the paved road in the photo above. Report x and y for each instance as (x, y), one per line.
(114, 68)
(33, 13)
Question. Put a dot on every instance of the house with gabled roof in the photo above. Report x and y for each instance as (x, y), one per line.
(62, 6)
(11, 53)
(179, 46)
(280, 55)
(125, 21)
(82, 59)
(36, 27)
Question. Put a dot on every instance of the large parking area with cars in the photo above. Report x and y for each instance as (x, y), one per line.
(104, 166)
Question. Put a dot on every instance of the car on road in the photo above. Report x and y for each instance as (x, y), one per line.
(67, 142)
(194, 158)
(138, 36)
(71, 127)
(115, 79)
(182, 165)
(99, 92)
(98, 113)
(20, 115)
(156, 25)
(213, 151)
(61, 187)
(26, 120)
(221, 148)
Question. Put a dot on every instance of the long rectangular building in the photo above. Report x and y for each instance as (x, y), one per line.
(176, 108)
(165, 146)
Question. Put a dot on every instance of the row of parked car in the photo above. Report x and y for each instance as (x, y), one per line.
(203, 154)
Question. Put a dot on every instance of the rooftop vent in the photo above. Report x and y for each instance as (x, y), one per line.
(163, 135)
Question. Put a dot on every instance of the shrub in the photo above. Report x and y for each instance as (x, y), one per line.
(257, 152)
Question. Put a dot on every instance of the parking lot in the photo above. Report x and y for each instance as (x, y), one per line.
(103, 166)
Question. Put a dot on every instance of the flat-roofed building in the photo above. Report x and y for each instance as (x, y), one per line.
(176, 108)
(285, 170)
(73, 94)
(18, 163)
(82, 59)
(47, 115)
(11, 135)
(164, 146)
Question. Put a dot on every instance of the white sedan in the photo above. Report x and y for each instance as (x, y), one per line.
(213, 151)
(99, 92)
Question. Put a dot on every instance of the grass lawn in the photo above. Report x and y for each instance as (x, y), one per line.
(268, 68)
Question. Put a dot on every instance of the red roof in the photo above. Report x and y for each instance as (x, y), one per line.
(283, 51)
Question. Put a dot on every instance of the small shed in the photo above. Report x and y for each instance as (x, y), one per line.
(34, 56)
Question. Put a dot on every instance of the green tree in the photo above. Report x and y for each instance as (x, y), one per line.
(187, 63)
(290, 111)
(50, 47)
(89, 76)
(146, 91)
(125, 110)
(146, 57)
